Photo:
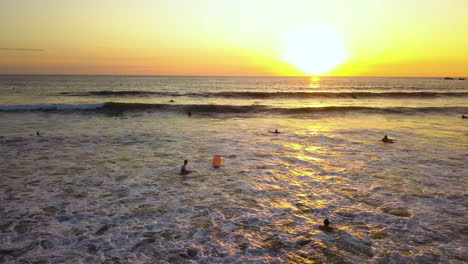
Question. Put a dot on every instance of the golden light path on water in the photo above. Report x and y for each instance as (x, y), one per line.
(314, 82)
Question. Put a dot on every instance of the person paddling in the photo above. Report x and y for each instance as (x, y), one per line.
(326, 226)
(385, 139)
(183, 169)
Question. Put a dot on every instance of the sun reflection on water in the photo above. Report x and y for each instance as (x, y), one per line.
(314, 82)
(316, 105)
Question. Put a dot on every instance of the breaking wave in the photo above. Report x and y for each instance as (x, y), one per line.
(226, 109)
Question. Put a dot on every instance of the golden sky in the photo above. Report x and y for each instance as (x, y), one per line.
(238, 37)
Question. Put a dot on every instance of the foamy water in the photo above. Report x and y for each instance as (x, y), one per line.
(102, 185)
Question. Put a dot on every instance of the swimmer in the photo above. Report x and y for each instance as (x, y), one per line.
(276, 131)
(385, 139)
(326, 226)
(171, 101)
(183, 169)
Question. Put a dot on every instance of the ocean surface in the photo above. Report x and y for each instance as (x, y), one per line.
(101, 184)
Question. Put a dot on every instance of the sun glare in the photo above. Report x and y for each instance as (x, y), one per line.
(314, 49)
(314, 82)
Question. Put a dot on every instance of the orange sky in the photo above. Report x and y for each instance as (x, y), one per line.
(217, 37)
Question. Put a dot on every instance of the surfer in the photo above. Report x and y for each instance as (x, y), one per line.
(464, 116)
(189, 114)
(183, 169)
(38, 134)
(326, 226)
(385, 139)
(276, 131)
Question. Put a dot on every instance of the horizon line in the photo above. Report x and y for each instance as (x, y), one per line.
(253, 76)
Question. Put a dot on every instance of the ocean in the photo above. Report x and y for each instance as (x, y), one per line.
(101, 184)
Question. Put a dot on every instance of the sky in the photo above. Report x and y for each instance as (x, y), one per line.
(235, 38)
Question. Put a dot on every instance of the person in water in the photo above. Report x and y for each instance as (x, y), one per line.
(387, 140)
(326, 226)
(276, 131)
(464, 116)
(189, 114)
(183, 169)
(38, 134)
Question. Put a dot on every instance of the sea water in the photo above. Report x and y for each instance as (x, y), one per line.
(101, 184)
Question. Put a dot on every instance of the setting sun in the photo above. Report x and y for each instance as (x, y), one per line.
(314, 49)
(221, 131)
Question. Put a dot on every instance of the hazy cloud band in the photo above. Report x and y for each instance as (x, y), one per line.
(20, 49)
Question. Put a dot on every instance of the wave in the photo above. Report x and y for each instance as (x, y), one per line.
(112, 93)
(113, 107)
(50, 107)
(269, 95)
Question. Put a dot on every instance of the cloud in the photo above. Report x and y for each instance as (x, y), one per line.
(20, 49)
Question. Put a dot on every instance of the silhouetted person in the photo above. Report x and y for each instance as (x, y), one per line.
(464, 116)
(183, 169)
(385, 139)
(189, 114)
(276, 131)
(326, 226)
(38, 134)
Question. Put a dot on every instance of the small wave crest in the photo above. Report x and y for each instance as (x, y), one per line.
(270, 95)
(113, 93)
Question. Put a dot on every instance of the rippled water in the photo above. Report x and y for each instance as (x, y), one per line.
(100, 187)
